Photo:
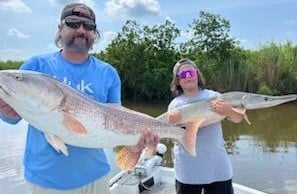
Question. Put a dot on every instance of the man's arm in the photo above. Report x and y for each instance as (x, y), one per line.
(8, 114)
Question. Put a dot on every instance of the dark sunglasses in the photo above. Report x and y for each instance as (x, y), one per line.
(183, 74)
(76, 23)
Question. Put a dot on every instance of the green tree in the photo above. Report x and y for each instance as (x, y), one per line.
(9, 64)
(217, 53)
(276, 67)
(209, 37)
(144, 58)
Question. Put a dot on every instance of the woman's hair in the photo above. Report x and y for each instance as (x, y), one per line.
(175, 86)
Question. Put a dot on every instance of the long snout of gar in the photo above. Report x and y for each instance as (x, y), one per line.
(270, 101)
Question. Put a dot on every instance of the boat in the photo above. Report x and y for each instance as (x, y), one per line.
(150, 177)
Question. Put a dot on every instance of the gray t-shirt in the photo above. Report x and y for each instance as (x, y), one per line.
(211, 163)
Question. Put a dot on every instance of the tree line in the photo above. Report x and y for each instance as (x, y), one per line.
(145, 55)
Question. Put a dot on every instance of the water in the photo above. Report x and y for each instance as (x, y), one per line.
(264, 155)
(12, 139)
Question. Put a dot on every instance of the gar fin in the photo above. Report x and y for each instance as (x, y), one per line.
(72, 123)
(56, 143)
(243, 112)
(247, 119)
(239, 110)
(189, 138)
(127, 158)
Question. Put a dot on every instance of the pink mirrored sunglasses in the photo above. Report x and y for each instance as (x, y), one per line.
(183, 74)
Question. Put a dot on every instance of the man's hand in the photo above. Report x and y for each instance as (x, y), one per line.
(147, 139)
(7, 111)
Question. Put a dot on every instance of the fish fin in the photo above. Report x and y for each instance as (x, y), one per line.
(122, 108)
(150, 151)
(247, 119)
(147, 153)
(239, 110)
(57, 143)
(189, 138)
(243, 112)
(126, 158)
(73, 124)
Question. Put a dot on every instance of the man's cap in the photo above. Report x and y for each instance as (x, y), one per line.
(70, 10)
(183, 62)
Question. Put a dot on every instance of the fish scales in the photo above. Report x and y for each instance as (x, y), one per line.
(51, 100)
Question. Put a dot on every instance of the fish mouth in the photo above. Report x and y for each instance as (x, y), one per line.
(4, 91)
(286, 98)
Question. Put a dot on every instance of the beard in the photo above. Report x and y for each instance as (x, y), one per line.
(77, 43)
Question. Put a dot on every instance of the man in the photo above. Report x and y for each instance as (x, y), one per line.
(84, 170)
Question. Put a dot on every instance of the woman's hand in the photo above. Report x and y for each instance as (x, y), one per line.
(174, 117)
(225, 108)
(222, 107)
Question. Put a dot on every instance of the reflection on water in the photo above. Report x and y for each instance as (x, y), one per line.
(274, 172)
(11, 157)
(271, 128)
(264, 155)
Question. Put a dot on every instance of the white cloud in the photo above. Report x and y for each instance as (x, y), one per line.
(15, 33)
(90, 3)
(108, 36)
(11, 54)
(132, 7)
(104, 40)
(60, 2)
(14, 5)
(51, 47)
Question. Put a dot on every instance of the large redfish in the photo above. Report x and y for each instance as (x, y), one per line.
(66, 115)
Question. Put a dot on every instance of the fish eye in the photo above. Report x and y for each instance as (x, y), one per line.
(18, 77)
(266, 99)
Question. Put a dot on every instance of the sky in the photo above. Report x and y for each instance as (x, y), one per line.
(28, 27)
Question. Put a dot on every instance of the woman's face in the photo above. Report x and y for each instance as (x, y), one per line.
(188, 77)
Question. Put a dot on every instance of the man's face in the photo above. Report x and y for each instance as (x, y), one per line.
(78, 33)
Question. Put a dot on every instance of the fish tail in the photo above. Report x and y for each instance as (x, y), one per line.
(127, 158)
(189, 139)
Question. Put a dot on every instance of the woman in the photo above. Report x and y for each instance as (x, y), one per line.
(211, 169)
